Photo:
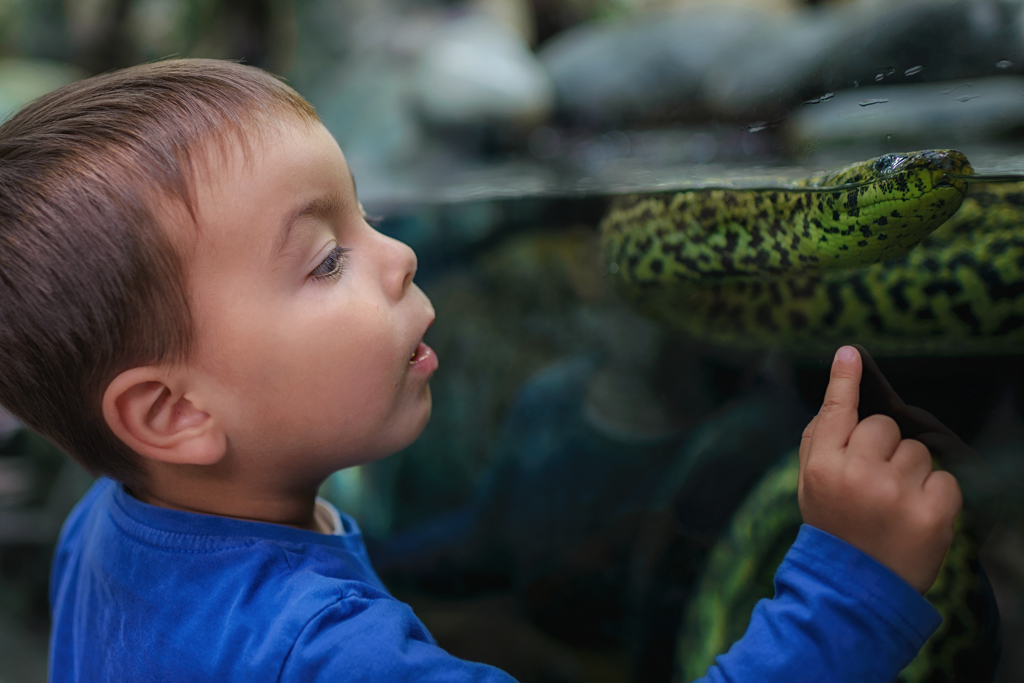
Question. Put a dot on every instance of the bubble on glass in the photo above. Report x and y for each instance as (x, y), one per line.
(613, 268)
(757, 126)
(1004, 64)
(879, 77)
(913, 70)
(873, 100)
(824, 98)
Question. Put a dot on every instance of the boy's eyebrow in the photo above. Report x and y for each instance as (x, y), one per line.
(323, 208)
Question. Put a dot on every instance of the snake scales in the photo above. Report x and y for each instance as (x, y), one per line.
(866, 254)
(808, 269)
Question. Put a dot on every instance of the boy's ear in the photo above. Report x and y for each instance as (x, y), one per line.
(149, 410)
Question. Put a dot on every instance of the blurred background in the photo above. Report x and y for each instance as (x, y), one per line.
(536, 523)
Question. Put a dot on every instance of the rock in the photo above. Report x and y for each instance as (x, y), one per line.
(478, 70)
(517, 15)
(846, 46)
(764, 74)
(921, 114)
(638, 69)
(700, 61)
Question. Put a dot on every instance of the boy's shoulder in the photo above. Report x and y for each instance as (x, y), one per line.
(110, 535)
(208, 593)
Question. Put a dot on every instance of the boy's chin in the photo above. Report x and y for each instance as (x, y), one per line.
(408, 437)
(428, 408)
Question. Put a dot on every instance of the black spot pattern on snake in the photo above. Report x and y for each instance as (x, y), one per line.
(1009, 324)
(899, 297)
(964, 313)
(994, 285)
(835, 304)
(947, 287)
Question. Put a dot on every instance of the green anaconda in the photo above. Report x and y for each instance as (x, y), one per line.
(862, 258)
(742, 565)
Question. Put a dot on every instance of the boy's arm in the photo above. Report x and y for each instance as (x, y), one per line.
(838, 616)
(369, 637)
(848, 603)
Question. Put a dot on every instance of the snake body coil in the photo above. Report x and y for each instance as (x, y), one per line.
(742, 565)
(828, 261)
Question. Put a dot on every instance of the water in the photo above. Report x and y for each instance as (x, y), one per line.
(566, 425)
(454, 182)
(991, 177)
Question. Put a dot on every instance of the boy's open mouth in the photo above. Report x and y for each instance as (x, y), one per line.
(421, 352)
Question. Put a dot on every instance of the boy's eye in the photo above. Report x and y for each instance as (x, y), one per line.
(332, 265)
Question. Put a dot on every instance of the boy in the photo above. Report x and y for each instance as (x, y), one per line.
(193, 305)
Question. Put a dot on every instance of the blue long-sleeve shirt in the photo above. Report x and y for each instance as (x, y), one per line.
(141, 593)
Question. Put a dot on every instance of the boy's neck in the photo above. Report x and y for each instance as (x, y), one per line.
(258, 501)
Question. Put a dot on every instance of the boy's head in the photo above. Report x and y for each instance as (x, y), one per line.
(186, 276)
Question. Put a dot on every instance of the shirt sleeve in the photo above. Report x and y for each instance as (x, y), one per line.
(838, 615)
(361, 639)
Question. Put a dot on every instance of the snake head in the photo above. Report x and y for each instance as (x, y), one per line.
(914, 173)
(941, 161)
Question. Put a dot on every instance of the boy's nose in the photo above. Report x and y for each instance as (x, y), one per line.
(400, 268)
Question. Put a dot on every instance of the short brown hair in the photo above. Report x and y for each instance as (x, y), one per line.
(90, 284)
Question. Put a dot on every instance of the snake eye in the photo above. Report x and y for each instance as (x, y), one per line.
(890, 163)
(884, 163)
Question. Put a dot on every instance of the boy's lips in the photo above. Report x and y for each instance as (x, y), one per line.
(423, 359)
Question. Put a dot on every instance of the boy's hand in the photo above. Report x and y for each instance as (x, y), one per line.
(861, 482)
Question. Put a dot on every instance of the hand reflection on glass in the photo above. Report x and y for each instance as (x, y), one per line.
(982, 493)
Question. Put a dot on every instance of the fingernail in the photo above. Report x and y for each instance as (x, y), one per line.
(846, 353)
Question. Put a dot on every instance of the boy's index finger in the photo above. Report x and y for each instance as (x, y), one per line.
(838, 415)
